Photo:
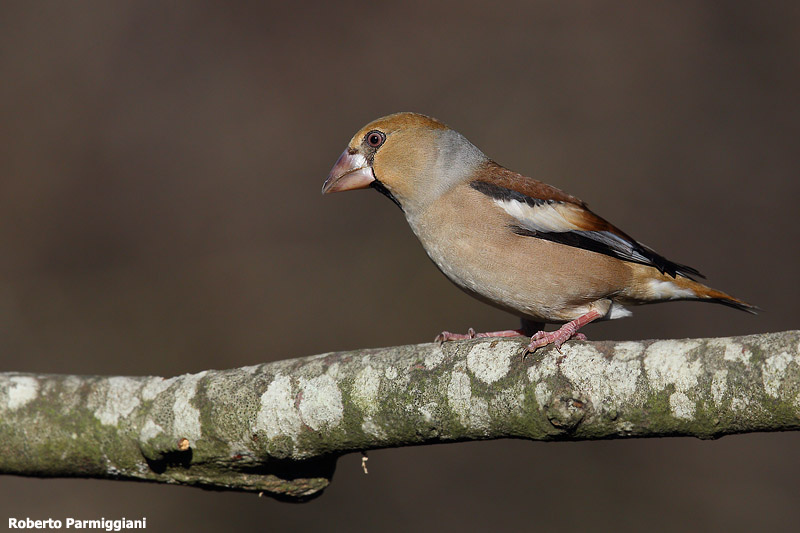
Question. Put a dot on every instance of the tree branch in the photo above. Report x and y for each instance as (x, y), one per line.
(278, 428)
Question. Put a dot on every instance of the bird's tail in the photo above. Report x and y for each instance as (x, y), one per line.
(665, 287)
(707, 294)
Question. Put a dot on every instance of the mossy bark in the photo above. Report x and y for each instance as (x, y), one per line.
(278, 428)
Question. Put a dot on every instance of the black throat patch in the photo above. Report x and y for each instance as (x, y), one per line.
(381, 188)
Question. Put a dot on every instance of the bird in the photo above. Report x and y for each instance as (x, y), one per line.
(510, 240)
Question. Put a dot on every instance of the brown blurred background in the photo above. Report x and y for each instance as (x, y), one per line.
(160, 169)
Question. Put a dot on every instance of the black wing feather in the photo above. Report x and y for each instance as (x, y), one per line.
(612, 243)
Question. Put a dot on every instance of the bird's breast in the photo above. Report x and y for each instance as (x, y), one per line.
(470, 241)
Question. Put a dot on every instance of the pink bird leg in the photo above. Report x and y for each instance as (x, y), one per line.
(540, 338)
(447, 336)
(562, 334)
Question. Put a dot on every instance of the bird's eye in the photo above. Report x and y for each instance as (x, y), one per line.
(375, 138)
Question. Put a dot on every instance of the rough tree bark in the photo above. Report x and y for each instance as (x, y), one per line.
(278, 428)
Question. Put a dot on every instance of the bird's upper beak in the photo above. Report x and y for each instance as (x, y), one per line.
(351, 171)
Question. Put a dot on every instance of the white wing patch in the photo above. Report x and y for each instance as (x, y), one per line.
(545, 217)
(553, 218)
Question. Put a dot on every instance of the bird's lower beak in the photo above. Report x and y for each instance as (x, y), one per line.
(351, 171)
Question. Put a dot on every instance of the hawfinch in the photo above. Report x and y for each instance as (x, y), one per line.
(509, 240)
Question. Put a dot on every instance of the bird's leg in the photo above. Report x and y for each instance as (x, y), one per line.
(447, 336)
(562, 334)
(528, 328)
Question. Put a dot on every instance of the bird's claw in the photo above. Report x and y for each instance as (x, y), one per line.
(448, 336)
(556, 338)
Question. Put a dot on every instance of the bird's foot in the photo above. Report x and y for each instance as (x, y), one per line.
(543, 338)
(561, 335)
(447, 336)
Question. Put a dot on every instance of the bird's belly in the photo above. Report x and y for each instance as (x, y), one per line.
(529, 277)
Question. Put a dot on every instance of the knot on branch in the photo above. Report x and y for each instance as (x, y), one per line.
(567, 410)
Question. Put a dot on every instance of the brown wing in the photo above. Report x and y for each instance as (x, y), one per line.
(546, 212)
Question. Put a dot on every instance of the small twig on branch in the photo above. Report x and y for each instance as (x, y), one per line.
(278, 428)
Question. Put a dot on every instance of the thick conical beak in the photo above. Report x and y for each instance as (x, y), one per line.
(351, 171)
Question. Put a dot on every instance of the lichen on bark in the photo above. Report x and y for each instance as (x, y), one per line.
(278, 428)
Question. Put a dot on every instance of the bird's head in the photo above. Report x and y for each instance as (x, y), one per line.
(411, 158)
